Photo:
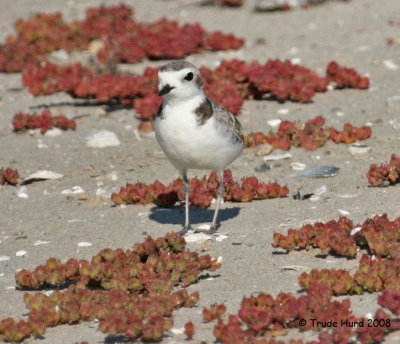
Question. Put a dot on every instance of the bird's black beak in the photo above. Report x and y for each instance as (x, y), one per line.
(165, 90)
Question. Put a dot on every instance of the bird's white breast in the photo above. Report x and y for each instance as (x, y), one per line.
(188, 144)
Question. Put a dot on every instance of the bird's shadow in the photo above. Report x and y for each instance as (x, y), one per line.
(109, 106)
(176, 215)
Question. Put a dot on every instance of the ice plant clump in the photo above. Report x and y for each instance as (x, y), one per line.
(132, 292)
(309, 136)
(373, 275)
(45, 121)
(202, 191)
(385, 175)
(229, 85)
(8, 176)
(380, 235)
(345, 77)
(332, 236)
(263, 315)
(122, 38)
(214, 312)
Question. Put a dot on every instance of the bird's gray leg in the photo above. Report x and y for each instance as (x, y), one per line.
(221, 190)
(187, 192)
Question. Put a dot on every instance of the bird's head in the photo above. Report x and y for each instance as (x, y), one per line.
(179, 80)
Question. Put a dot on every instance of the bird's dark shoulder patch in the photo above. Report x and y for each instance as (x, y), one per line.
(204, 111)
(160, 113)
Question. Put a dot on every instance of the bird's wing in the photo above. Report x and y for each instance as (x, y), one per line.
(228, 120)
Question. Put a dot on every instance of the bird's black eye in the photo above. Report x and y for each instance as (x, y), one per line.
(189, 76)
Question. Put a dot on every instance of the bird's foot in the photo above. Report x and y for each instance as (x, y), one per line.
(209, 229)
(185, 229)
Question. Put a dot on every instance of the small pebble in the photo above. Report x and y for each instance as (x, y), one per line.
(20, 253)
(337, 111)
(343, 212)
(262, 168)
(263, 149)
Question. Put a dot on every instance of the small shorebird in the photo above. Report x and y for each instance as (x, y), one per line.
(193, 131)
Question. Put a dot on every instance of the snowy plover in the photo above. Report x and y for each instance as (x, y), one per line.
(193, 131)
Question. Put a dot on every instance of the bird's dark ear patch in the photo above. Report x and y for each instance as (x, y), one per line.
(204, 111)
(189, 76)
(198, 81)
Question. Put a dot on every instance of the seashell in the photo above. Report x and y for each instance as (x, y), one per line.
(319, 172)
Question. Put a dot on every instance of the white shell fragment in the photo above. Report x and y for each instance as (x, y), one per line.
(221, 237)
(102, 139)
(319, 191)
(53, 132)
(390, 64)
(103, 193)
(355, 230)
(40, 242)
(298, 166)
(23, 192)
(42, 175)
(60, 56)
(345, 196)
(84, 244)
(74, 190)
(295, 60)
(4, 258)
(21, 253)
(298, 268)
(204, 226)
(393, 101)
(113, 176)
(177, 330)
(358, 148)
(283, 111)
(192, 237)
(343, 212)
(319, 172)
(278, 157)
(275, 122)
(269, 5)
